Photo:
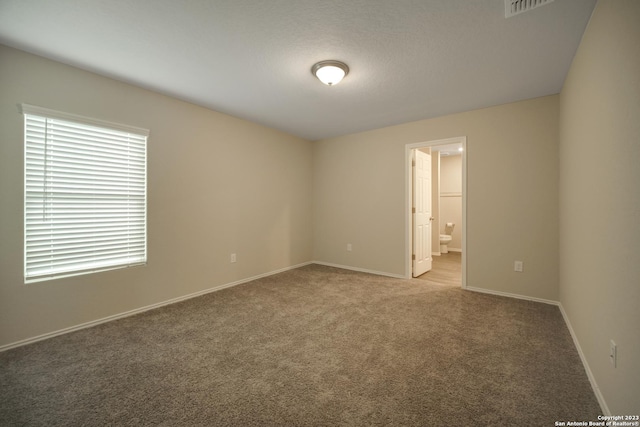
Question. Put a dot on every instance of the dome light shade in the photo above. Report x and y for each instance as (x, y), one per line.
(330, 72)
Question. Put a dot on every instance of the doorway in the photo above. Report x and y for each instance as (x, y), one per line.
(442, 147)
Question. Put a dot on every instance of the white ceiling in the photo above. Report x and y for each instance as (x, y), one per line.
(409, 59)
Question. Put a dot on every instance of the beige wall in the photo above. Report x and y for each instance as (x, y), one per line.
(512, 195)
(435, 201)
(451, 175)
(600, 199)
(217, 185)
(451, 199)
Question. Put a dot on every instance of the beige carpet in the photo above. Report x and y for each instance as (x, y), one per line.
(312, 346)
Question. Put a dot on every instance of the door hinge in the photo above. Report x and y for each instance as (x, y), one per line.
(413, 257)
(413, 210)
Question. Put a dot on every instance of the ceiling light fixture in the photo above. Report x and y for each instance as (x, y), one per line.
(330, 72)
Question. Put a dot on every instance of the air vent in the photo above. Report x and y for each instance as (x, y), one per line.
(516, 7)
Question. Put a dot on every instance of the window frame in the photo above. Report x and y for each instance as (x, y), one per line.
(139, 139)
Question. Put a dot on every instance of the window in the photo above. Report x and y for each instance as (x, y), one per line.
(85, 195)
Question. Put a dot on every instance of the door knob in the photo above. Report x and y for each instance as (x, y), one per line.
(431, 219)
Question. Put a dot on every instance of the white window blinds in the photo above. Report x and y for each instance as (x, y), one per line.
(85, 194)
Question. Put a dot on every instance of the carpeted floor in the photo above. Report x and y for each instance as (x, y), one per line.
(311, 346)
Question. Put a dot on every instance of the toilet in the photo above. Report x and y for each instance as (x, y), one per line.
(445, 238)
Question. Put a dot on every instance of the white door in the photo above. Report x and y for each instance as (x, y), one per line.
(421, 213)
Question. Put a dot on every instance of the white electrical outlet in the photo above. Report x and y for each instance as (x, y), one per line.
(518, 266)
(233, 258)
(613, 353)
(349, 247)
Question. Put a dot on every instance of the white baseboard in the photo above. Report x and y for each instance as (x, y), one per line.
(510, 295)
(361, 270)
(143, 309)
(592, 380)
(454, 250)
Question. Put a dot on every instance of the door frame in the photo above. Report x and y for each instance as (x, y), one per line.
(408, 202)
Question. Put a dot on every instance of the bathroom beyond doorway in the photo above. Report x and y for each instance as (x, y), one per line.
(442, 148)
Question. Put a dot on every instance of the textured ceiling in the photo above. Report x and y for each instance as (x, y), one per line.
(409, 59)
